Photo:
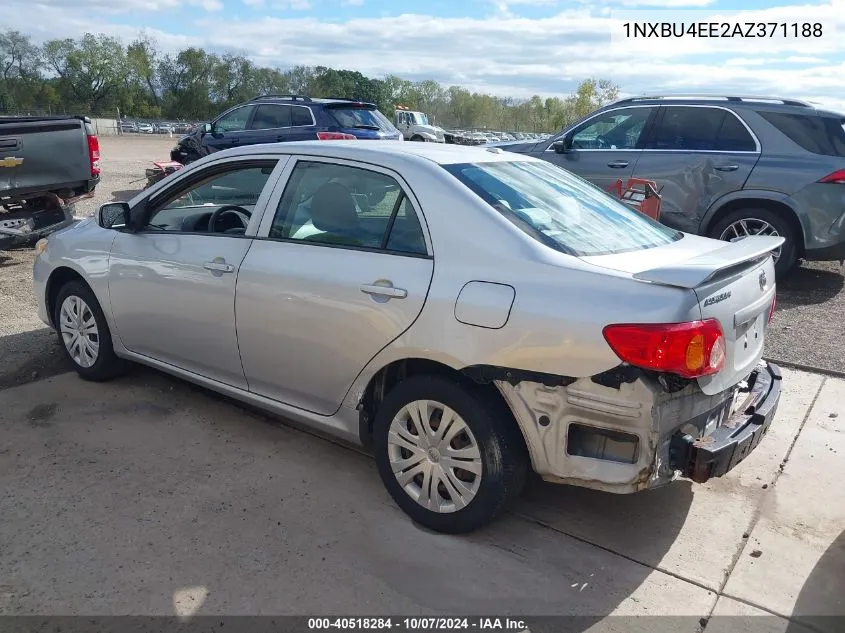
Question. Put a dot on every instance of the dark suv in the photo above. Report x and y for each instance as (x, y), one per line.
(727, 166)
(281, 118)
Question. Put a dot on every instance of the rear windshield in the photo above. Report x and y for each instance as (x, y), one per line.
(817, 134)
(560, 209)
(361, 118)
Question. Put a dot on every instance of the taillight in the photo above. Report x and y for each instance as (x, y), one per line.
(335, 136)
(94, 154)
(772, 309)
(692, 349)
(837, 177)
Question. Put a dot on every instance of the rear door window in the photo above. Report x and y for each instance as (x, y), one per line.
(818, 134)
(687, 128)
(268, 117)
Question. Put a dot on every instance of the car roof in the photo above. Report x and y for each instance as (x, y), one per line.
(388, 153)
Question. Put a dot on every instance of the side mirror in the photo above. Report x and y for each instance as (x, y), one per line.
(114, 215)
(563, 146)
(207, 128)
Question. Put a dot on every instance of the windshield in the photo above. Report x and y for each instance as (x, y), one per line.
(420, 118)
(560, 209)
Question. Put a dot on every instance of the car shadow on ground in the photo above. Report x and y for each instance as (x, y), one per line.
(809, 285)
(29, 356)
(123, 195)
(821, 603)
(381, 561)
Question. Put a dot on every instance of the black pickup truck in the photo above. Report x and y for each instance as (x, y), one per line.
(46, 164)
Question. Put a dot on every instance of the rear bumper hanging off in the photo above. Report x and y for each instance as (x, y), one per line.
(715, 454)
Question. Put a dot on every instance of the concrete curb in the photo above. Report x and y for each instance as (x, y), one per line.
(808, 368)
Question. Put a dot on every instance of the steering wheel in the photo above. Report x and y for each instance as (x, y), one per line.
(602, 142)
(232, 209)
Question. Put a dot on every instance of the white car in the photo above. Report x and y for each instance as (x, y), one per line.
(464, 312)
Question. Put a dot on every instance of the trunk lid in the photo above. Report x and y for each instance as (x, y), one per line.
(734, 282)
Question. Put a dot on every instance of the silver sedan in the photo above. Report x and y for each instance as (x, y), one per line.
(465, 313)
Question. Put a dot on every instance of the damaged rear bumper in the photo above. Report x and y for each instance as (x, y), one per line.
(628, 430)
(715, 454)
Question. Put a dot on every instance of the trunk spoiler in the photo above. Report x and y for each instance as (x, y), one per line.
(719, 262)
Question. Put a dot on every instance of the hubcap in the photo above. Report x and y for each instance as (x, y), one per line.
(79, 331)
(434, 456)
(746, 227)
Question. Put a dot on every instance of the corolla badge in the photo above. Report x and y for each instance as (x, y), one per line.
(709, 301)
(763, 280)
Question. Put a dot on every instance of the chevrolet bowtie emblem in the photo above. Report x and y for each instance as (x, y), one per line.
(11, 161)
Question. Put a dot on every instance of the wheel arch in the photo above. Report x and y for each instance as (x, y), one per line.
(391, 374)
(762, 201)
(58, 278)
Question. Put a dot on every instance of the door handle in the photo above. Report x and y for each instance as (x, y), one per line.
(727, 167)
(219, 267)
(384, 291)
(618, 164)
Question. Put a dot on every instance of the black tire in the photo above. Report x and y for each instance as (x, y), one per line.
(789, 252)
(504, 458)
(418, 139)
(106, 365)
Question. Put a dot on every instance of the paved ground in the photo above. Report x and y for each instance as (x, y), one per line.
(150, 496)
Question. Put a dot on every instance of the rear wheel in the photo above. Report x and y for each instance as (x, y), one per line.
(84, 334)
(418, 138)
(743, 223)
(450, 458)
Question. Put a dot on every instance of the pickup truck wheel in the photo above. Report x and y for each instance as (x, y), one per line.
(418, 138)
(84, 334)
(746, 222)
(450, 458)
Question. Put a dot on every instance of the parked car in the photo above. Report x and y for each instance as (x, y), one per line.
(46, 163)
(726, 167)
(164, 128)
(571, 335)
(128, 127)
(284, 118)
(145, 128)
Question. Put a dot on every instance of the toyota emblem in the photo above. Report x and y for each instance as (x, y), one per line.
(762, 280)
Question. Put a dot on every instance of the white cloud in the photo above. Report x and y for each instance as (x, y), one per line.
(502, 54)
(351, 3)
(294, 5)
(254, 3)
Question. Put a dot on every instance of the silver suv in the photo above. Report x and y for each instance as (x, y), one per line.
(727, 166)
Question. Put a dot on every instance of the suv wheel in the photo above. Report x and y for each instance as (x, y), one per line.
(743, 223)
(449, 457)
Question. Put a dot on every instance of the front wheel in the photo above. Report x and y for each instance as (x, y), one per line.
(743, 223)
(450, 458)
(84, 334)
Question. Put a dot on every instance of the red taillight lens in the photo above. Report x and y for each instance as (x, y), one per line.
(94, 154)
(335, 136)
(772, 309)
(692, 349)
(837, 177)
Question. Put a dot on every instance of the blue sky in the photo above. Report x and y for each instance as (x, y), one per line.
(507, 47)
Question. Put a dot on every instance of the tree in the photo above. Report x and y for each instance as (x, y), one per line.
(95, 73)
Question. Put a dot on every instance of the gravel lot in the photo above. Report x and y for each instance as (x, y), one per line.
(806, 330)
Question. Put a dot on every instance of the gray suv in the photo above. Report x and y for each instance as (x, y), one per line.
(727, 166)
